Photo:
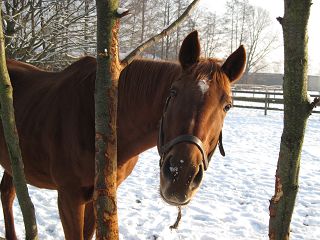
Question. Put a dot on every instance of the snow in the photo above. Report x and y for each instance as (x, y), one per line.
(232, 202)
(174, 169)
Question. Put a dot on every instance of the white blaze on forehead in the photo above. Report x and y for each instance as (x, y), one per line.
(203, 86)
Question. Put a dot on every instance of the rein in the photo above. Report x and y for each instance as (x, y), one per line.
(163, 148)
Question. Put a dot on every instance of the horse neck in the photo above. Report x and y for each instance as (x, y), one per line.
(143, 88)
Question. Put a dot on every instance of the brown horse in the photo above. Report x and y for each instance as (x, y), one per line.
(55, 121)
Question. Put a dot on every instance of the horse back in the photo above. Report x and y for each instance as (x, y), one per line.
(54, 114)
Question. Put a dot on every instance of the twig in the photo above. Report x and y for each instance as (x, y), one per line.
(280, 19)
(176, 224)
(315, 102)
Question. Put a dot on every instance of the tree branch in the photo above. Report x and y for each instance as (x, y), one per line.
(315, 103)
(280, 19)
(159, 36)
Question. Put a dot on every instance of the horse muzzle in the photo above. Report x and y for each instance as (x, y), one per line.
(181, 174)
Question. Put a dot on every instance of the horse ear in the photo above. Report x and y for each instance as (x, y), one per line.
(235, 64)
(190, 50)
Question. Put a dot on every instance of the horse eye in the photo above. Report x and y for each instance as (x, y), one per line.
(173, 92)
(227, 107)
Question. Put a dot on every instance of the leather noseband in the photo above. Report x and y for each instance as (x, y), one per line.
(163, 149)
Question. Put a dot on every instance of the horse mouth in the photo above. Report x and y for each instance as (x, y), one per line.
(174, 203)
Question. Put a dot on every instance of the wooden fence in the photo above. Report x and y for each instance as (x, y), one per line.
(261, 97)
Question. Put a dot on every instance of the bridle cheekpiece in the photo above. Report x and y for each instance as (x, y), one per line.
(164, 148)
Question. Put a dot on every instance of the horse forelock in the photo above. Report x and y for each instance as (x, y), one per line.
(209, 70)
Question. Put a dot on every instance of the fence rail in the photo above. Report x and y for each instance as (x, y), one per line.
(260, 97)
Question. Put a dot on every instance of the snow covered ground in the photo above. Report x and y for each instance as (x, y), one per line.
(233, 200)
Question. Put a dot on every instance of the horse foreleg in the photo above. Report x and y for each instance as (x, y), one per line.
(8, 194)
(89, 221)
(71, 210)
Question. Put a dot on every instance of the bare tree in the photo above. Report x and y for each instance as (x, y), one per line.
(40, 31)
(108, 71)
(261, 39)
(297, 109)
(55, 33)
(212, 33)
(236, 16)
(249, 25)
(129, 58)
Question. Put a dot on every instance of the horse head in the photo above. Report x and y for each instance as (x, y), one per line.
(192, 120)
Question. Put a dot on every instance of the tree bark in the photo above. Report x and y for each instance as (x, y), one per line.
(296, 112)
(108, 71)
(178, 29)
(143, 23)
(167, 36)
(12, 139)
(86, 25)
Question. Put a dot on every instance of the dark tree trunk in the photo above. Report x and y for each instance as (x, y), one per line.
(296, 112)
(167, 37)
(86, 26)
(108, 71)
(178, 30)
(143, 24)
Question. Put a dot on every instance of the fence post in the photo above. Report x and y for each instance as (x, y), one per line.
(266, 102)
(232, 93)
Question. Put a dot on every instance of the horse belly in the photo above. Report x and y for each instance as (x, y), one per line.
(35, 173)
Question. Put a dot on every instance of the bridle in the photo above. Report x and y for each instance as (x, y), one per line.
(164, 148)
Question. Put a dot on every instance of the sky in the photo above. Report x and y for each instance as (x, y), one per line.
(276, 9)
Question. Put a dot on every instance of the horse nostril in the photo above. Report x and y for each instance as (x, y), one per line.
(198, 178)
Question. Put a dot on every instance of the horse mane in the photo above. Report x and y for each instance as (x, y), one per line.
(146, 80)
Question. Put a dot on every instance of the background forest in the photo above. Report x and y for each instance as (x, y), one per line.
(54, 33)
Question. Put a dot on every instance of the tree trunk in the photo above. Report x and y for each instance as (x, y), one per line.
(86, 27)
(296, 112)
(12, 139)
(232, 30)
(164, 25)
(108, 71)
(143, 13)
(42, 23)
(167, 37)
(178, 30)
